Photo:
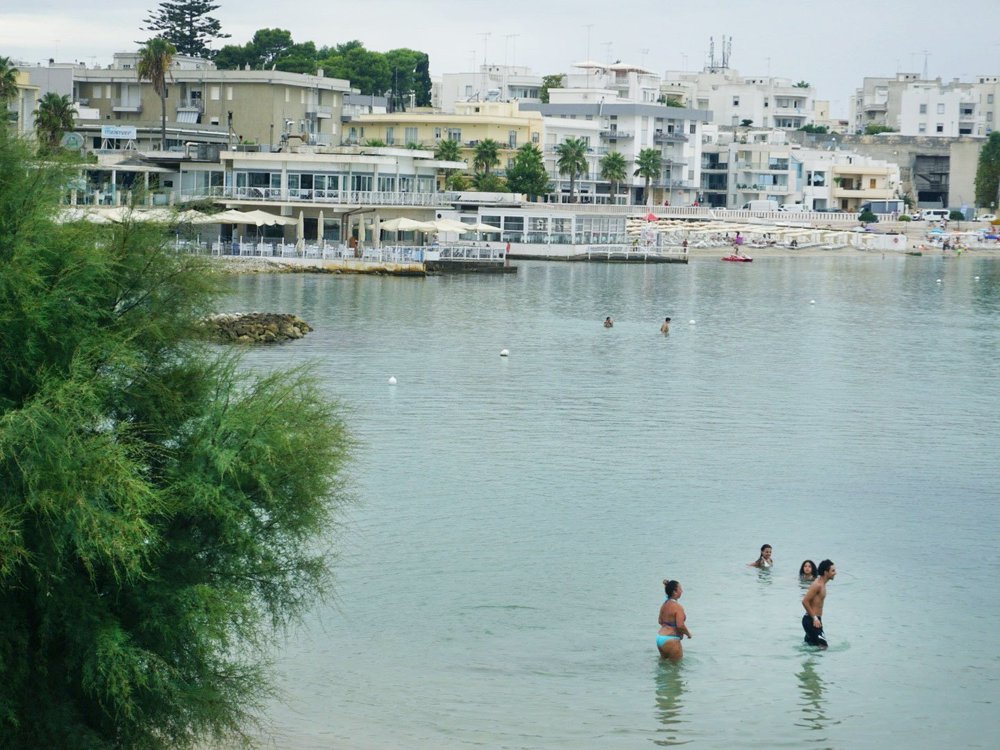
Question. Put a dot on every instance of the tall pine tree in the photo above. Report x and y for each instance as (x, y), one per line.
(187, 25)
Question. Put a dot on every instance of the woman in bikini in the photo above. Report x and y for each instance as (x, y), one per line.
(672, 622)
(764, 561)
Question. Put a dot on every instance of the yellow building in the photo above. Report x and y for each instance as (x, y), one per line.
(471, 123)
(21, 109)
(854, 184)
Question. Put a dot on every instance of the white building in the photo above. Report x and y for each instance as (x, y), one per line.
(496, 83)
(766, 101)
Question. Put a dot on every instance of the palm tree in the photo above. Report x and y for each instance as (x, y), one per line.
(155, 58)
(648, 165)
(487, 155)
(572, 161)
(613, 169)
(54, 116)
(447, 150)
(8, 82)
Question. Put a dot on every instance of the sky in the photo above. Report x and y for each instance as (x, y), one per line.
(833, 46)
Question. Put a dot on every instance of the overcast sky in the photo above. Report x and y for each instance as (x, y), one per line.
(831, 45)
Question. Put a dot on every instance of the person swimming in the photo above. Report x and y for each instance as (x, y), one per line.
(807, 571)
(608, 322)
(764, 561)
(673, 620)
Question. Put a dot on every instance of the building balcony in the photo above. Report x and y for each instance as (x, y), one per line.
(119, 105)
(320, 111)
(875, 107)
(619, 134)
(661, 137)
(191, 105)
(327, 197)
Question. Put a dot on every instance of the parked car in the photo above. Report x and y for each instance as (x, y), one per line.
(986, 217)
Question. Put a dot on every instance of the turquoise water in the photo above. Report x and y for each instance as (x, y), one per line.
(499, 579)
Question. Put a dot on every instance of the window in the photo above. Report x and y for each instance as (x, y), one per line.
(390, 136)
(989, 117)
(512, 138)
(534, 136)
(214, 93)
(989, 98)
(736, 101)
(213, 121)
(361, 182)
(922, 127)
(692, 128)
(923, 109)
(229, 93)
(437, 134)
(410, 135)
(871, 183)
(940, 128)
(454, 134)
(940, 109)
(468, 91)
(387, 184)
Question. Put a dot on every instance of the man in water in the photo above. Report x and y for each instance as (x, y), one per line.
(608, 322)
(812, 620)
(665, 326)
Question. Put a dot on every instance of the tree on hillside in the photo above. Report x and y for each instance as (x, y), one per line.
(8, 82)
(614, 170)
(486, 155)
(527, 174)
(410, 72)
(554, 81)
(187, 25)
(648, 164)
(54, 117)
(155, 59)
(988, 173)
(162, 511)
(571, 160)
(368, 71)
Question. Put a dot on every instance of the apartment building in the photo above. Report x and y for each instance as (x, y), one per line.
(20, 111)
(260, 108)
(490, 83)
(761, 101)
(910, 105)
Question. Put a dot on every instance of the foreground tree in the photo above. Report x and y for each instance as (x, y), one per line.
(161, 511)
(614, 170)
(54, 117)
(155, 59)
(647, 166)
(187, 25)
(988, 173)
(571, 160)
(8, 82)
(527, 172)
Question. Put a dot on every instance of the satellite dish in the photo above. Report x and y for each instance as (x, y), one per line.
(72, 141)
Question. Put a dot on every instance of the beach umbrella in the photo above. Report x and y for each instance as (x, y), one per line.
(403, 224)
(300, 239)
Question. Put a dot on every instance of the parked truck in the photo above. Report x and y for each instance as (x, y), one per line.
(761, 206)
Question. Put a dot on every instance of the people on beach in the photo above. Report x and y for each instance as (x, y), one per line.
(807, 571)
(673, 620)
(764, 561)
(812, 620)
(665, 326)
(608, 322)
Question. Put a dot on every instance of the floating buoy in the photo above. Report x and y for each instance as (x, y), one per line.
(977, 278)
(812, 302)
(392, 380)
(691, 322)
(504, 352)
(939, 281)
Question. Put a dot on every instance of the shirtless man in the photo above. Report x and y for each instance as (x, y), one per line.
(608, 322)
(812, 620)
(665, 326)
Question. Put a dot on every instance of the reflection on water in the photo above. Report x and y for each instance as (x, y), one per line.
(811, 687)
(669, 703)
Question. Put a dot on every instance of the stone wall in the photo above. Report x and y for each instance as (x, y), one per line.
(256, 327)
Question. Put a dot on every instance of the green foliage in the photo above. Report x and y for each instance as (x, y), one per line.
(874, 129)
(802, 85)
(613, 169)
(8, 81)
(571, 160)
(904, 217)
(554, 81)
(672, 102)
(161, 511)
(746, 123)
(988, 172)
(814, 129)
(457, 181)
(956, 215)
(527, 174)
(489, 183)
(410, 71)
(648, 164)
(155, 58)
(486, 155)
(867, 217)
(447, 150)
(54, 117)
(367, 71)
(187, 25)
(374, 143)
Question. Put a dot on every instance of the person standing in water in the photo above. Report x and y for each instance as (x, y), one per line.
(608, 322)
(807, 571)
(665, 326)
(673, 625)
(764, 561)
(812, 620)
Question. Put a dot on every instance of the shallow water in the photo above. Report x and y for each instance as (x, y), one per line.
(500, 576)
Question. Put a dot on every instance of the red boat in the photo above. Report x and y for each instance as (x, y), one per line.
(738, 258)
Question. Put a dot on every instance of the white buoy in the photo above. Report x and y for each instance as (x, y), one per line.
(504, 352)
(812, 302)
(691, 322)
(939, 281)
(977, 278)
(392, 380)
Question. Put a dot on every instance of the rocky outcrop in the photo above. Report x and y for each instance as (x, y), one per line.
(256, 327)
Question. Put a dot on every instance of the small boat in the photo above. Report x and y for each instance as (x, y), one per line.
(738, 258)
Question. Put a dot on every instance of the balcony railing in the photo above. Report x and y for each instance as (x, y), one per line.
(661, 137)
(319, 110)
(120, 105)
(619, 134)
(191, 105)
(338, 197)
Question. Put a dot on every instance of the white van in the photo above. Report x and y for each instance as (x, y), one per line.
(761, 206)
(934, 214)
(792, 207)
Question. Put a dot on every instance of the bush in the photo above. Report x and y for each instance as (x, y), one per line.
(867, 217)
(904, 217)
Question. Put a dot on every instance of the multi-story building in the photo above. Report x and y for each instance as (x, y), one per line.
(262, 108)
(491, 83)
(760, 102)
(910, 105)
(20, 111)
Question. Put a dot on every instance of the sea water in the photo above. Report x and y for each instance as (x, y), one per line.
(499, 578)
